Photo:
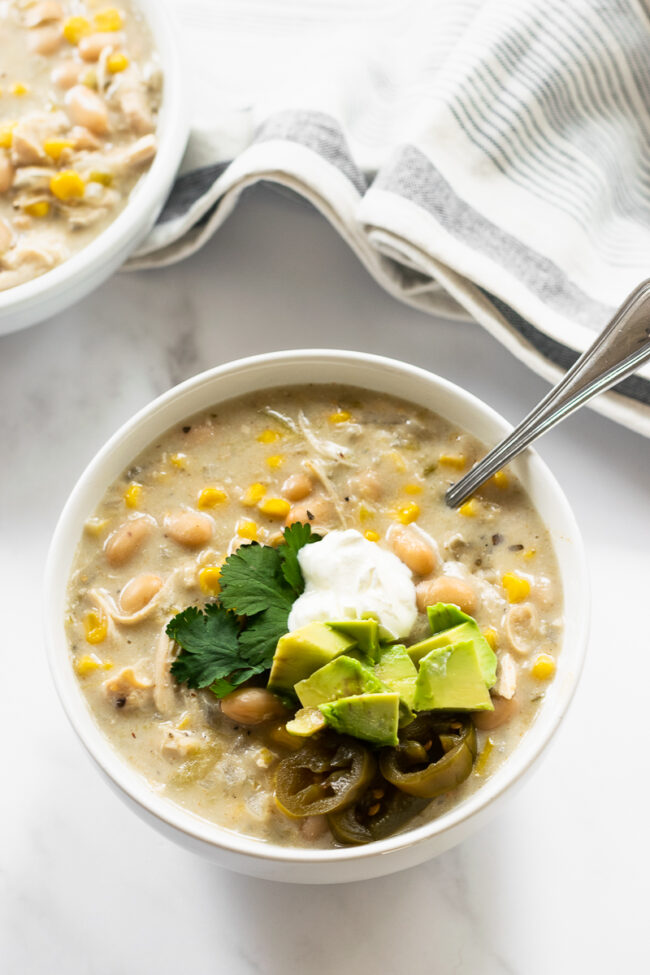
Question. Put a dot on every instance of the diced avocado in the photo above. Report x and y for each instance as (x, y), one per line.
(306, 722)
(342, 677)
(364, 632)
(450, 626)
(371, 717)
(398, 672)
(300, 653)
(451, 679)
(442, 616)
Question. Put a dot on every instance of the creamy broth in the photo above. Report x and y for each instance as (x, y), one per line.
(80, 89)
(336, 457)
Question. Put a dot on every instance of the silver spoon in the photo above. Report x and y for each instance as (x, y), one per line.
(619, 350)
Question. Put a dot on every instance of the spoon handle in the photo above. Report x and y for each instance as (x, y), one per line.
(617, 352)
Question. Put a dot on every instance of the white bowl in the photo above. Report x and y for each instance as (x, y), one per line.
(55, 290)
(222, 846)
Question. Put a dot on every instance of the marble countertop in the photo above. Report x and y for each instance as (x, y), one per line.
(557, 883)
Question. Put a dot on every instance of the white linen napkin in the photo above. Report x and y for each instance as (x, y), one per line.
(484, 158)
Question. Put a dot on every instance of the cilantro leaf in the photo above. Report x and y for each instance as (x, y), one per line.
(236, 637)
(252, 581)
(296, 536)
(210, 647)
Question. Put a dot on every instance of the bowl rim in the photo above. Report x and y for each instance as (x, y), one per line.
(171, 131)
(136, 787)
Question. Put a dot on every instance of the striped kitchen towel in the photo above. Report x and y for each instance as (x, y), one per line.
(484, 158)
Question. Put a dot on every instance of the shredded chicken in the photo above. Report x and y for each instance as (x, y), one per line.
(179, 745)
(164, 694)
(506, 683)
(32, 132)
(128, 691)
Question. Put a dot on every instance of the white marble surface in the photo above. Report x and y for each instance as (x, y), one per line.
(558, 883)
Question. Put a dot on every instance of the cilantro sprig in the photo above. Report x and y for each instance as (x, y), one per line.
(231, 640)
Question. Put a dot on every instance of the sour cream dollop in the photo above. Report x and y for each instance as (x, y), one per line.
(347, 577)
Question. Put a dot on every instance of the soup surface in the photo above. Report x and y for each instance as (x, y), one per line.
(342, 460)
(79, 93)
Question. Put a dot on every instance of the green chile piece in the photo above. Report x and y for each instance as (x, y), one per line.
(325, 775)
(434, 756)
(380, 812)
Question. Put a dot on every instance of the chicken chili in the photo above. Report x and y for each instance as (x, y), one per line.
(278, 622)
(80, 88)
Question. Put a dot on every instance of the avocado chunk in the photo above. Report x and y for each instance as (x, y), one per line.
(342, 677)
(450, 678)
(364, 632)
(397, 671)
(451, 626)
(371, 717)
(306, 722)
(300, 653)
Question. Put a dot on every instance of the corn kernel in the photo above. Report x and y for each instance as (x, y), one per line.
(179, 460)
(95, 627)
(89, 78)
(530, 553)
(89, 663)
(341, 416)
(54, 148)
(67, 185)
(247, 529)
(515, 586)
(491, 636)
(211, 497)
(412, 489)
(117, 62)
(371, 535)
(397, 461)
(408, 513)
(75, 28)
(274, 507)
(275, 461)
(184, 721)
(7, 134)
(366, 513)
(18, 88)
(269, 436)
(470, 509)
(254, 493)
(160, 476)
(457, 461)
(543, 667)
(209, 580)
(95, 526)
(500, 480)
(96, 176)
(40, 208)
(132, 495)
(109, 19)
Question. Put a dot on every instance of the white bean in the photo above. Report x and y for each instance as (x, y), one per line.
(296, 487)
(252, 705)
(366, 485)
(46, 39)
(67, 73)
(413, 550)
(6, 172)
(504, 709)
(91, 47)
(446, 589)
(139, 591)
(43, 13)
(189, 528)
(86, 108)
(122, 544)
